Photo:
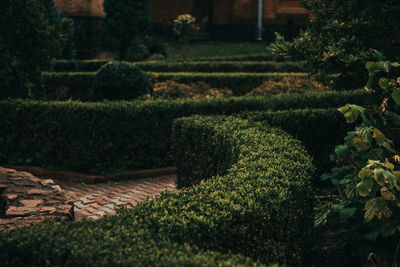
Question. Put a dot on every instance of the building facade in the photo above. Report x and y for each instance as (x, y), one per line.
(231, 20)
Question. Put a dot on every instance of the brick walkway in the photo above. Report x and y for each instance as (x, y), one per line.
(95, 200)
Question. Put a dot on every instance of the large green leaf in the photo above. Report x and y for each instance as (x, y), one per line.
(379, 137)
(396, 96)
(376, 207)
(351, 112)
(383, 176)
(365, 186)
(360, 144)
(387, 194)
(341, 151)
(347, 213)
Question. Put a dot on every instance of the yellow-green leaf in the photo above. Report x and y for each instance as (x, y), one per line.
(396, 96)
(379, 137)
(387, 194)
(365, 186)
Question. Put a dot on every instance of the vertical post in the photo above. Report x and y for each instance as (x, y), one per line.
(259, 21)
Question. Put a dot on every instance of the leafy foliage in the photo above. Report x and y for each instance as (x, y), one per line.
(173, 90)
(184, 26)
(195, 66)
(288, 85)
(125, 20)
(260, 208)
(368, 171)
(121, 81)
(28, 43)
(341, 36)
(104, 136)
(64, 25)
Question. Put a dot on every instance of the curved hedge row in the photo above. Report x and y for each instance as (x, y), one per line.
(187, 66)
(115, 136)
(79, 85)
(262, 207)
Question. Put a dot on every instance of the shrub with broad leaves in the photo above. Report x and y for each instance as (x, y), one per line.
(368, 163)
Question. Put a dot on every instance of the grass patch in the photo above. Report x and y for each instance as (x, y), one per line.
(212, 50)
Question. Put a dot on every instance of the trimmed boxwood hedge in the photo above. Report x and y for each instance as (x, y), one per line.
(262, 208)
(187, 66)
(112, 136)
(320, 130)
(79, 85)
(109, 136)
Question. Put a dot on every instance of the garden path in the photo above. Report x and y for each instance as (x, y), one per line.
(96, 200)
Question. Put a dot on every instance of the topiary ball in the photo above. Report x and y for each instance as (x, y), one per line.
(121, 81)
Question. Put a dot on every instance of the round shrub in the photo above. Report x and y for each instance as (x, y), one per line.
(121, 81)
(155, 45)
(137, 51)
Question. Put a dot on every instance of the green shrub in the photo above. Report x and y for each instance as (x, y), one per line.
(28, 44)
(125, 20)
(110, 136)
(155, 45)
(252, 57)
(318, 129)
(64, 86)
(267, 162)
(119, 80)
(239, 83)
(137, 50)
(289, 85)
(91, 65)
(188, 66)
(261, 209)
(341, 37)
(173, 90)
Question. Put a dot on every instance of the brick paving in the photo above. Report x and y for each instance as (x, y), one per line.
(95, 200)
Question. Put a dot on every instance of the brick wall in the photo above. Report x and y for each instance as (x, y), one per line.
(82, 8)
(224, 11)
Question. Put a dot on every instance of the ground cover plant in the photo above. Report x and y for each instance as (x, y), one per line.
(216, 50)
(263, 172)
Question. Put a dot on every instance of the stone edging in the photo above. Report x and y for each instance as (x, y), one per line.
(87, 178)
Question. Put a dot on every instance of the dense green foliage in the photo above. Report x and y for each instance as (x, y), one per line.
(82, 82)
(27, 44)
(125, 20)
(65, 26)
(121, 81)
(261, 209)
(308, 125)
(367, 172)
(188, 66)
(108, 136)
(200, 90)
(341, 37)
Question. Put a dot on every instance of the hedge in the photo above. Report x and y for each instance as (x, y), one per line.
(111, 136)
(187, 66)
(320, 130)
(262, 208)
(251, 57)
(78, 85)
